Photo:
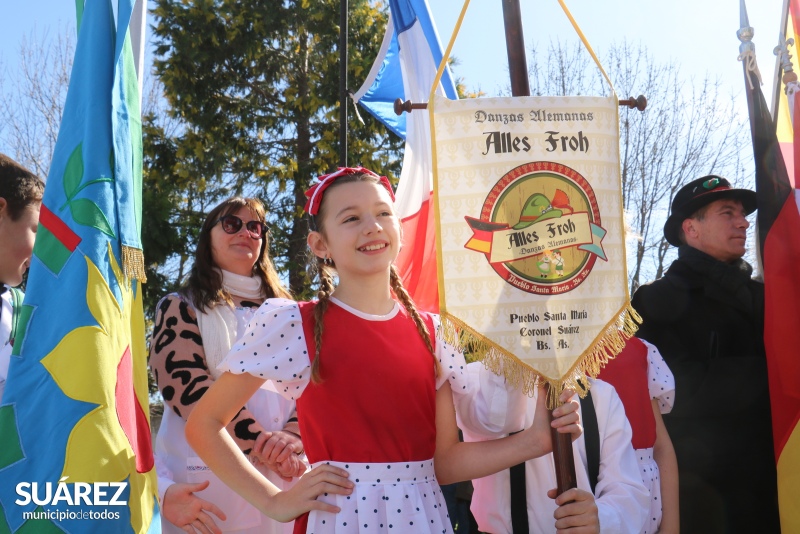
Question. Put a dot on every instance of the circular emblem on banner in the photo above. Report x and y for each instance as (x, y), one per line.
(540, 228)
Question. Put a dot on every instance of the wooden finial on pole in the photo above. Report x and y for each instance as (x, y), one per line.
(640, 102)
(407, 106)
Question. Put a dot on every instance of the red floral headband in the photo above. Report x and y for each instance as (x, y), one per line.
(315, 192)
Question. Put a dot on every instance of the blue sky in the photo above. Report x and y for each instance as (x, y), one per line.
(700, 35)
(20, 18)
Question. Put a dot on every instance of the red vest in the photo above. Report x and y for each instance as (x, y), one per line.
(377, 398)
(628, 374)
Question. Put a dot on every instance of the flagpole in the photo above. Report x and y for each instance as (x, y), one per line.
(779, 252)
(776, 90)
(520, 86)
(343, 84)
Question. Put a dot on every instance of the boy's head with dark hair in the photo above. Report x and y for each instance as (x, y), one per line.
(20, 199)
(18, 186)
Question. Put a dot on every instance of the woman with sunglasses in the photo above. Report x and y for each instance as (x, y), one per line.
(194, 330)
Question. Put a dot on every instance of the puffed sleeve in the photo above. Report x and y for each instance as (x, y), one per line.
(451, 360)
(273, 347)
(493, 408)
(660, 379)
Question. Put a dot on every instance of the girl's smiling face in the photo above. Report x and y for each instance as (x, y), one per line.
(359, 230)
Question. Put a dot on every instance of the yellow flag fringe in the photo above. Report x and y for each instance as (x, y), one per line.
(608, 344)
(133, 263)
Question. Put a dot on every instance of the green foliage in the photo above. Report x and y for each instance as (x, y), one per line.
(254, 90)
(165, 221)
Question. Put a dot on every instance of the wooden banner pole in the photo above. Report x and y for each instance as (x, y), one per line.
(520, 86)
(515, 48)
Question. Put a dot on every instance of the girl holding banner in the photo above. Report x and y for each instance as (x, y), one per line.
(371, 410)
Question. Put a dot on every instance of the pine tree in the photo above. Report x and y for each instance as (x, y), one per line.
(253, 87)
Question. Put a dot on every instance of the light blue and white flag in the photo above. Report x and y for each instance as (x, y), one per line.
(405, 68)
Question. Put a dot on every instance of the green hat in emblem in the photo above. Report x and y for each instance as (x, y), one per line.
(537, 208)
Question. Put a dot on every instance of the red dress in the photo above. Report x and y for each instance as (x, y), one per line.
(386, 409)
(373, 413)
(628, 374)
(639, 374)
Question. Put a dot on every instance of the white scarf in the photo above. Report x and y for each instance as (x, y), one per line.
(219, 324)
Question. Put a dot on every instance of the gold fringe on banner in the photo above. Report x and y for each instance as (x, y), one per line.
(133, 263)
(608, 344)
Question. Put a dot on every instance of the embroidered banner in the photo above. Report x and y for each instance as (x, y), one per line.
(530, 233)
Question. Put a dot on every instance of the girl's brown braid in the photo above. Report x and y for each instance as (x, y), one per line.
(411, 308)
(323, 296)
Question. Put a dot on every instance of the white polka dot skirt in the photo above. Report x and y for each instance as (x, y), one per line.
(651, 477)
(389, 497)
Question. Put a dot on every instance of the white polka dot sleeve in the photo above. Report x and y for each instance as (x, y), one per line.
(660, 379)
(451, 360)
(273, 347)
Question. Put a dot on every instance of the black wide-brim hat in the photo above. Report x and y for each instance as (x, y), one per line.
(699, 193)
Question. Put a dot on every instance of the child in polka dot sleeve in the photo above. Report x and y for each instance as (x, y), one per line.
(373, 383)
(647, 389)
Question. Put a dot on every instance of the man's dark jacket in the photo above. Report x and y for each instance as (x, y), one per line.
(707, 319)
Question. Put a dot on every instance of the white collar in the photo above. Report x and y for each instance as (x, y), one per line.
(368, 316)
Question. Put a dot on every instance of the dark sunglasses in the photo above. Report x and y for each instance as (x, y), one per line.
(231, 224)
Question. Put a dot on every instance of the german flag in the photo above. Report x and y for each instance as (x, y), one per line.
(779, 241)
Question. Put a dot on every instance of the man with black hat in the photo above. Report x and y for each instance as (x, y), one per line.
(706, 316)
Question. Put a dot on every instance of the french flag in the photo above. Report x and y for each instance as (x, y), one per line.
(405, 68)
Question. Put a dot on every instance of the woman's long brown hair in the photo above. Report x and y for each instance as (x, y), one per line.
(204, 285)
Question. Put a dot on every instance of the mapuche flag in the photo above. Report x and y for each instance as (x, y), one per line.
(779, 241)
(76, 450)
